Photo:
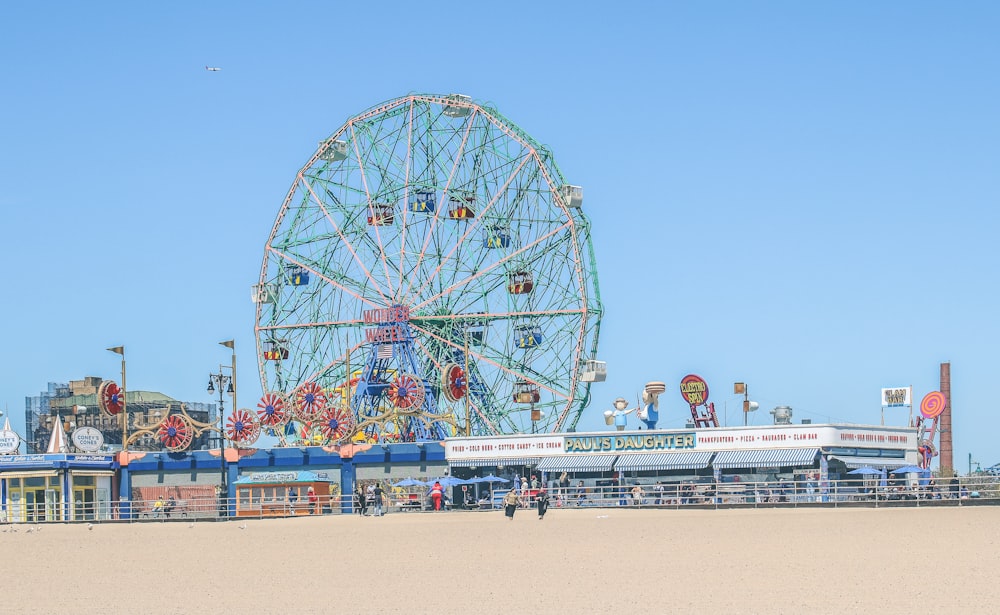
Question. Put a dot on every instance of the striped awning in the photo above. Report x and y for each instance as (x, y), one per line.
(577, 463)
(767, 458)
(639, 462)
(494, 462)
(29, 474)
(870, 462)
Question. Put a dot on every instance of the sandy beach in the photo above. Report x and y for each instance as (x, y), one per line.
(579, 561)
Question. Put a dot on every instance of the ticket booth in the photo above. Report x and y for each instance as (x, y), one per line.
(281, 494)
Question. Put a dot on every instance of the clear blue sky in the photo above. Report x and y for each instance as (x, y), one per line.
(802, 196)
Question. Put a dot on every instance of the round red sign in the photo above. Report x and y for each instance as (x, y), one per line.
(694, 390)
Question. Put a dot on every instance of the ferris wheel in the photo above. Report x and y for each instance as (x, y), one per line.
(431, 272)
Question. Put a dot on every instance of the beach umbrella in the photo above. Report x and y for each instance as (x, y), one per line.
(910, 470)
(867, 470)
(489, 478)
(447, 481)
(410, 482)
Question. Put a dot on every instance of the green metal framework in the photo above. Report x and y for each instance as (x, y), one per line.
(376, 219)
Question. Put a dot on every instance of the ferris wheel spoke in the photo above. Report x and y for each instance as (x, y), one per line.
(387, 176)
(484, 358)
(346, 243)
(444, 194)
(315, 271)
(406, 195)
(384, 183)
(486, 270)
(482, 416)
(471, 227)
(368, 198)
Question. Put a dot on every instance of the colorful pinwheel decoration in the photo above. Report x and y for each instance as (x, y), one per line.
(272, 410)
(406, 392)
(175, 433)
(310, 402)
(110, 398)
(242, 427)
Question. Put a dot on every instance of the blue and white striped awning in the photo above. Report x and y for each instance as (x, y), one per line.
(577, 463)
(639, 462)
(871, 462)
(767, 458)
(495, 462)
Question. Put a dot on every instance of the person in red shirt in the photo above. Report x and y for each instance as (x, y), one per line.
(313, 500)
(436, 492)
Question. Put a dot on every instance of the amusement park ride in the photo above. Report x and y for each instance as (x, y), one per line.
(430, 273)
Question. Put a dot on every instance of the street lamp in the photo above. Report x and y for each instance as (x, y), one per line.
(225, 384)
(120, 350)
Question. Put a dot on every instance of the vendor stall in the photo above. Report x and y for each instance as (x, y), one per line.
(280, 494)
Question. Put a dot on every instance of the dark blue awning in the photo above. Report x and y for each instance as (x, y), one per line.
(768, 458)
(871, 462)
(639, 462)
(578, 463)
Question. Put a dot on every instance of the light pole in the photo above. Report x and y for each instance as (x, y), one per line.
(225, 384)
(741, 388)
(468, 419)
(120, 350)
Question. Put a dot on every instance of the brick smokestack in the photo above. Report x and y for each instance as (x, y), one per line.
(947, 455)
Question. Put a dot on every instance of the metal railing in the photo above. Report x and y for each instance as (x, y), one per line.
(890, 492)
(873, 492)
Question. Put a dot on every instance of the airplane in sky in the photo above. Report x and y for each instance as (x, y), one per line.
(213, 69)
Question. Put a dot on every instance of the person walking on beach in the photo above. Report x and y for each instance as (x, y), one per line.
(510, 503)
(437, 491)
(362, 502)
(542, 501)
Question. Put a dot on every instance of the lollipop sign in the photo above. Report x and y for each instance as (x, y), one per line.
(933, 404)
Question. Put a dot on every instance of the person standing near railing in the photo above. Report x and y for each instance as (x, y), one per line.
(313, 500)
(362, 503)
(158, 507)
(379, 493)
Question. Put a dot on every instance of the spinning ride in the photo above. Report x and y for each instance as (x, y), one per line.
(430, 254)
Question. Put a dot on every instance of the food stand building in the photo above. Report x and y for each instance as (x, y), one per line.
(821, 452)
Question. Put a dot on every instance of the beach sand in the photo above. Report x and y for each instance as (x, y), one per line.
(896, 560)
